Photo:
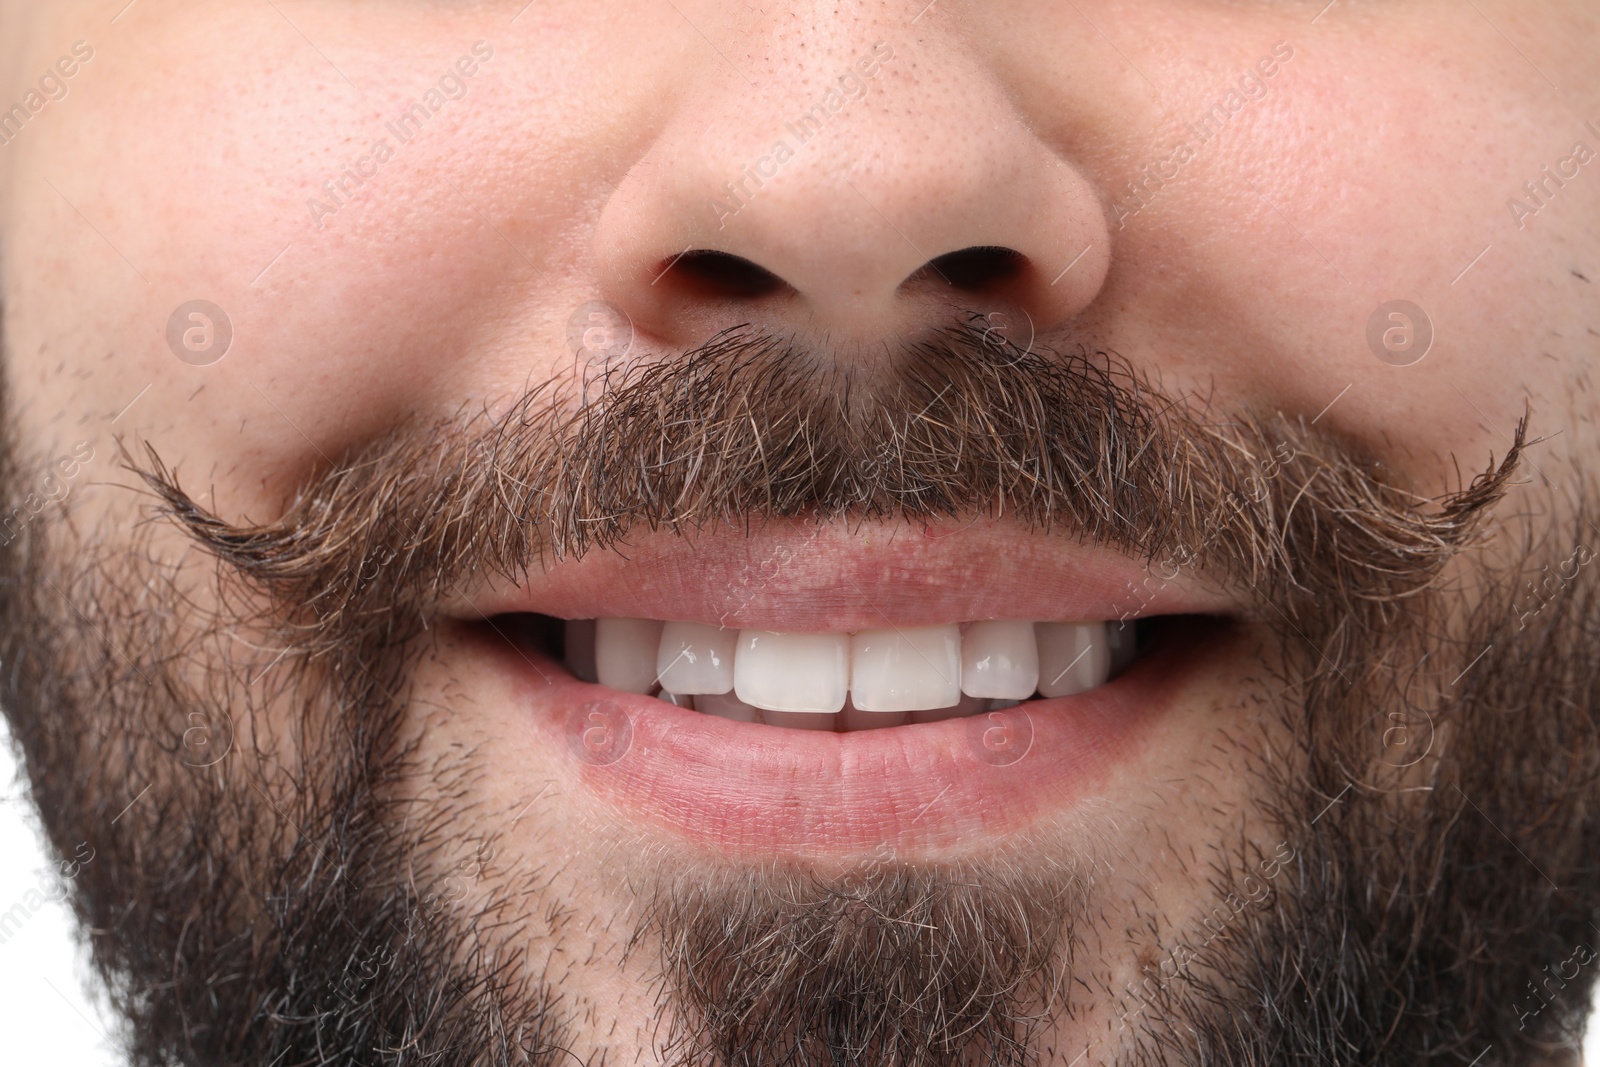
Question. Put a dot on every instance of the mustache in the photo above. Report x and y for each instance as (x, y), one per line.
(1301, 512)
(750, 426)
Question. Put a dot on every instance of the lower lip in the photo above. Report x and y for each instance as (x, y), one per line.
(754, 790)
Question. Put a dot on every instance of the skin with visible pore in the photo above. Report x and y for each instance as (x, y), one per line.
(1210, 202)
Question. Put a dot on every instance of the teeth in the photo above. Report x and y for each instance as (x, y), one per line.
(792, 672)
(625, 653)
(906, 670)
(1073, 657)
(1119, 635)
(853, 718)
(694, 658)
(860, 681)
(968, 705)
(580, 649)
(800, 720)
(1000, 660)
(728, 706)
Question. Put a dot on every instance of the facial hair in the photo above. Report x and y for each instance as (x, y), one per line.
(266, 906)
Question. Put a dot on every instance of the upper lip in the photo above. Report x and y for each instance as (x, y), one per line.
(798, 576)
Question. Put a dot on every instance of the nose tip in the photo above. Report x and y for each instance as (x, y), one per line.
(885, 228)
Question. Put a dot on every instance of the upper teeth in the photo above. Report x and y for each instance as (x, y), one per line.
(886, 672)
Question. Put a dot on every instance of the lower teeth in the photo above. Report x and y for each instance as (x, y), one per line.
(851, 719)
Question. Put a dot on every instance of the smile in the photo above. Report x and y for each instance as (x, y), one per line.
(830, 706)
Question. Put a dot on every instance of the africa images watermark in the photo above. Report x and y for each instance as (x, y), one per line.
(405, 127)
(1215, 923)
(1552, 583)
(1539, 192)
(51, 890)
(1542, 994)
(851, 85)
(1252, 86)
(1263, 471)
(52, 89)
(53, 489)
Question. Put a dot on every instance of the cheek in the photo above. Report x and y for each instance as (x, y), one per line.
(335, 331)
(1340, 191)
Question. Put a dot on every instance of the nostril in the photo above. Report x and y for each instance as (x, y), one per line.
(975, 269)
(722, 274)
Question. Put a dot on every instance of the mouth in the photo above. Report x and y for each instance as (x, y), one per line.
(841, 682)
(923, 695)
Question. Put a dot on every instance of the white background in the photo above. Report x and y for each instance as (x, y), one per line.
(46, 1015)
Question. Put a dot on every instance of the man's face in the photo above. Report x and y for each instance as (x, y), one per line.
(1117, 403)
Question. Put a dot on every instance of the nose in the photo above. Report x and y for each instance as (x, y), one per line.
(862, 190)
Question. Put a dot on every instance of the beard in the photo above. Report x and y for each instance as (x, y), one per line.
(1414, 876)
